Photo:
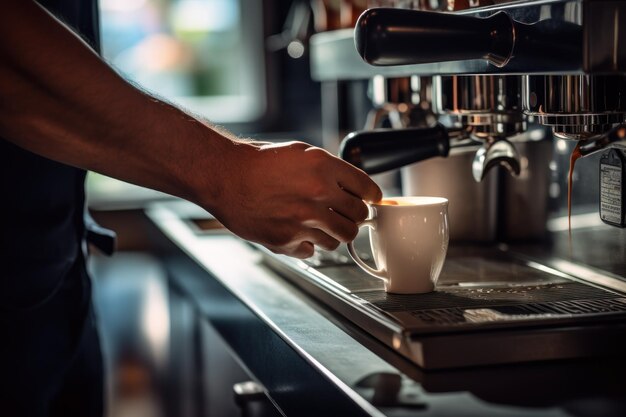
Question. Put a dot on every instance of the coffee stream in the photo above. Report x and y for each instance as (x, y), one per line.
(572, 162)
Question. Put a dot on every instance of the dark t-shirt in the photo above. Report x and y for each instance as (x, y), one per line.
(41, 201)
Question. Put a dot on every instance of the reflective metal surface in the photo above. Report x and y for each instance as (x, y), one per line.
(494, 153)
(490, 106)
(576, 106)
(400, 103)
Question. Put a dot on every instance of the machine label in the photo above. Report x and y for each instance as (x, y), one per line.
(611, 193)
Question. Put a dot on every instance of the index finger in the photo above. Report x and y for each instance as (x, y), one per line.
(358, 183)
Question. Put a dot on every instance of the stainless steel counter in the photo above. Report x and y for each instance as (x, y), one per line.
(330, 367)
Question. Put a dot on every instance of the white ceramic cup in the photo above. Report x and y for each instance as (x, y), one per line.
(409, 240)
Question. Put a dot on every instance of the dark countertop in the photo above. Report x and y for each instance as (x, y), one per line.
(313, 362)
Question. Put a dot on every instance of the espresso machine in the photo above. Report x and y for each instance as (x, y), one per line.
(483, 102)
(521, 54)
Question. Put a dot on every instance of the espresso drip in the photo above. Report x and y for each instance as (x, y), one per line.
(572, 163)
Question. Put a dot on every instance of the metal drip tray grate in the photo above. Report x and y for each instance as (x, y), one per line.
(484, 297)
(455, 307)
(448, 316)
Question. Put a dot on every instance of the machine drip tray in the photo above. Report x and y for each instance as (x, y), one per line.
(489, 307)
(455, 306)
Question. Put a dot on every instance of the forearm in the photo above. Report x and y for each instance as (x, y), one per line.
(59, 100)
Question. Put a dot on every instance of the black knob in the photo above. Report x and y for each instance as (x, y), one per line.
(399, 37)
(382, 150)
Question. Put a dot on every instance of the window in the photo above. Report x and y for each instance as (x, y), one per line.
(205, 55)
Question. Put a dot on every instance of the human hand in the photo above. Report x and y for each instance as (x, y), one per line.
(292, 196)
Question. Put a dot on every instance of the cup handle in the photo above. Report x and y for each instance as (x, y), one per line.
(378, 273)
